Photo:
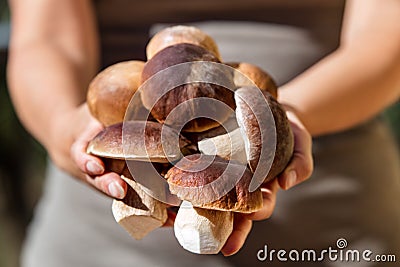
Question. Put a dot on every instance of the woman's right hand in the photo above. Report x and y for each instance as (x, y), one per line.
(70, 137)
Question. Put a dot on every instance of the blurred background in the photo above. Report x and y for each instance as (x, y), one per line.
(22, 162)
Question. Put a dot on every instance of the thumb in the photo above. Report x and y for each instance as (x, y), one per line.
(300, 166)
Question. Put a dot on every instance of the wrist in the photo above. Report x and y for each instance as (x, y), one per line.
(61, 126)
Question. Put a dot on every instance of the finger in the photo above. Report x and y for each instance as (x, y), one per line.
(171, 218)
(85, 162)
(110, 184)
(241, 229)
(301, 165)
(269, 192)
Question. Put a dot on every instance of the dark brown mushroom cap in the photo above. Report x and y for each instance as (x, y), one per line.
(180, 34)
(256, 74)
(143, 142)
(189, 183)
(110, 92)
(182, 53)
(248, 122)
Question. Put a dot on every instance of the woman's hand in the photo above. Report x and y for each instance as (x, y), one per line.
(69, 139)
(242, 223)
(301, 165)
(298, 170)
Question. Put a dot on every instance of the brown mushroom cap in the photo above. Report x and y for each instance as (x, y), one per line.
(180, 34)
(182, 53)
(149, 145)
(248, 122)
(238, 199)
(256, 74)
(111, 90)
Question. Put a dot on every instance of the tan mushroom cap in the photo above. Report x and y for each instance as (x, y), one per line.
(111, 90)
(256, 74)
(238, 199)
(250, 127)
(180, 34)
(182, 53)
(139, 146)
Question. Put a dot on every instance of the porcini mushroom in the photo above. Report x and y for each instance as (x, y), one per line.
(250, 118)
(229, 146)
(139, 213)
(247, 143)
(180, 34)
(162, 102)
(227, 126)
(202, 231)
(249, 73)
(212, 188)
(110, 92)
(144, 141)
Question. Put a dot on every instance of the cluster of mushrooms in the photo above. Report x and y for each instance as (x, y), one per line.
(200, 226)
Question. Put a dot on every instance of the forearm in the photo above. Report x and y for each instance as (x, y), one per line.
(358, 80)
(50, 64)
(43, 92)
(346, 88)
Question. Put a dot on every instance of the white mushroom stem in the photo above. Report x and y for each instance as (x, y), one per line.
(139, 213)
(229, 146)
(202, 231)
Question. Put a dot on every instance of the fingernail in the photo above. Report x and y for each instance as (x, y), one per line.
(116, 190)
(94, 168)
(291, 179)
